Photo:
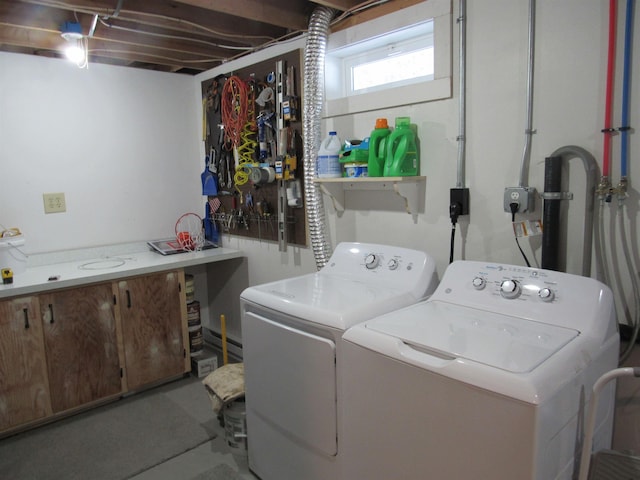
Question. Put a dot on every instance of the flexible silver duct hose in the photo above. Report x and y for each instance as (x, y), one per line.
(313, 100)
(591, 171)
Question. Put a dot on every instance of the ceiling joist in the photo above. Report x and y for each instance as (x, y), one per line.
(186, 36)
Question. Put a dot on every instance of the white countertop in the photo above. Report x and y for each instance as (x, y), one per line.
(82, 267)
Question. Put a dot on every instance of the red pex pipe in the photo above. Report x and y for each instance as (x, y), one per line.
(611, 56)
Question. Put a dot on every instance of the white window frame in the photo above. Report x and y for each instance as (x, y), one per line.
(392, 28)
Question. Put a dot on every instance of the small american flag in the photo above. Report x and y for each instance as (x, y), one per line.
(214, 204)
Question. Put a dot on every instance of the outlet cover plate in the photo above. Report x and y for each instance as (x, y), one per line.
(523, 196)
(54, 202)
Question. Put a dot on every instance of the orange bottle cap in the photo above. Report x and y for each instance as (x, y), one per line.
(381, 123)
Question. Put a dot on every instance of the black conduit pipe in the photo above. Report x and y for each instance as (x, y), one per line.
(551, 213)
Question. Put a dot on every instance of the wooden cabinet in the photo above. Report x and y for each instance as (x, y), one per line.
(154, 327)
(83, 361)
(24, 388)
(64, 350)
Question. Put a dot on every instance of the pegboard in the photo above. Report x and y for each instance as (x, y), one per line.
(257, 168)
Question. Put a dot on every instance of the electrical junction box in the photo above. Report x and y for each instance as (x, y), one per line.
(204, 363)
(523, 196)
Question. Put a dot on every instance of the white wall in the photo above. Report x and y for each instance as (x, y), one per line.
(121, 143)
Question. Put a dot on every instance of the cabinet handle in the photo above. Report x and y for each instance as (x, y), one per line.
(51, 312)
(128, 299)
(26, 317)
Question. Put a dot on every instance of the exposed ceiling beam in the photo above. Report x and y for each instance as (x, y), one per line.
(135, 40)
(168, 14)
(30, 38)
(293, 17)
(342, 5)
(168, 35)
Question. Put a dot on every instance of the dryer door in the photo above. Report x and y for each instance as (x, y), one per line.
(288, 374)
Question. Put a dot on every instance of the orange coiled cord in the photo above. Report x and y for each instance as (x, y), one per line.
(234, 109)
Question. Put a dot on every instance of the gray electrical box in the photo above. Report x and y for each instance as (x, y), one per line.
(523, 196)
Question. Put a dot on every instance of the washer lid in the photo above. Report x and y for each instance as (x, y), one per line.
(329, 300)
(510, 343)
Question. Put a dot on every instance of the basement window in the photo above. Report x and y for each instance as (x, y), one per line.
(401, 63)
(399, 59)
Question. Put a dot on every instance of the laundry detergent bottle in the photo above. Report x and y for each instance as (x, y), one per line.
(377, 150)
(329, 157)
(402, 159)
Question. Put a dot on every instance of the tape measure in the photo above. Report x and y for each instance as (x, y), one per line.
(7, 276)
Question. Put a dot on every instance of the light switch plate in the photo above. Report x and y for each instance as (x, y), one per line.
(54, 202)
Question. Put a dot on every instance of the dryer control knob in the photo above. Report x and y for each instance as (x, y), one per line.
(371, 261)
(392, 264)
(510, 289)
(546, 294)
(479, 283)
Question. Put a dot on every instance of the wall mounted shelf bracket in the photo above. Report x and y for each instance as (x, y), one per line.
(409, 188)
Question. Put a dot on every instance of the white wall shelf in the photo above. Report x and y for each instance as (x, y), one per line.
(409, 188)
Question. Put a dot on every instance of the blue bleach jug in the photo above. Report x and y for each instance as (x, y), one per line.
(402, 159)
(328, 165)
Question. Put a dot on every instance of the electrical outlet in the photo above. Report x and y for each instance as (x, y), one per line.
(461, 197)
(54, 202)
(523, 196)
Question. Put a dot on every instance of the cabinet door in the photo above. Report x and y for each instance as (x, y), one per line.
(81, 344)
(152, 328)
(24, 389)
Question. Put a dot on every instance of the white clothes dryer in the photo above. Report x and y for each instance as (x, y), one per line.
(487, 379)
(291, 335)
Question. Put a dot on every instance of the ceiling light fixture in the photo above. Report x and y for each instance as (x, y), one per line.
(76, 48)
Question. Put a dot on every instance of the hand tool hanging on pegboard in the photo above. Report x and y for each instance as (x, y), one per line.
(290, 101)
(281, 151)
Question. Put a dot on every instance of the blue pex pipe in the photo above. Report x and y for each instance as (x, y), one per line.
(624, 128)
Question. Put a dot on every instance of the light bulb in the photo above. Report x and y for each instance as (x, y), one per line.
(75, 51)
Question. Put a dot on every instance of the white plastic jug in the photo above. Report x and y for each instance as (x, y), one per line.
(328, 165)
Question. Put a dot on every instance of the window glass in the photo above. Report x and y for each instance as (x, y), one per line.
(398, 64)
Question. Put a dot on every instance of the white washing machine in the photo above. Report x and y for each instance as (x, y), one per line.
(291, 335)
(487, 379)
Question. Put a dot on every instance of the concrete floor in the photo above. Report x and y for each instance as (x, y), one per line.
(203, 458)
(199, 460)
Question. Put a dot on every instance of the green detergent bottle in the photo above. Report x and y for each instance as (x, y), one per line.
(402, 159)
(377, 148)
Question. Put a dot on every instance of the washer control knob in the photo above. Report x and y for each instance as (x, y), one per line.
(371, 261)
(546, 294)
(479, 283)
(510, 289)
(392, 264)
